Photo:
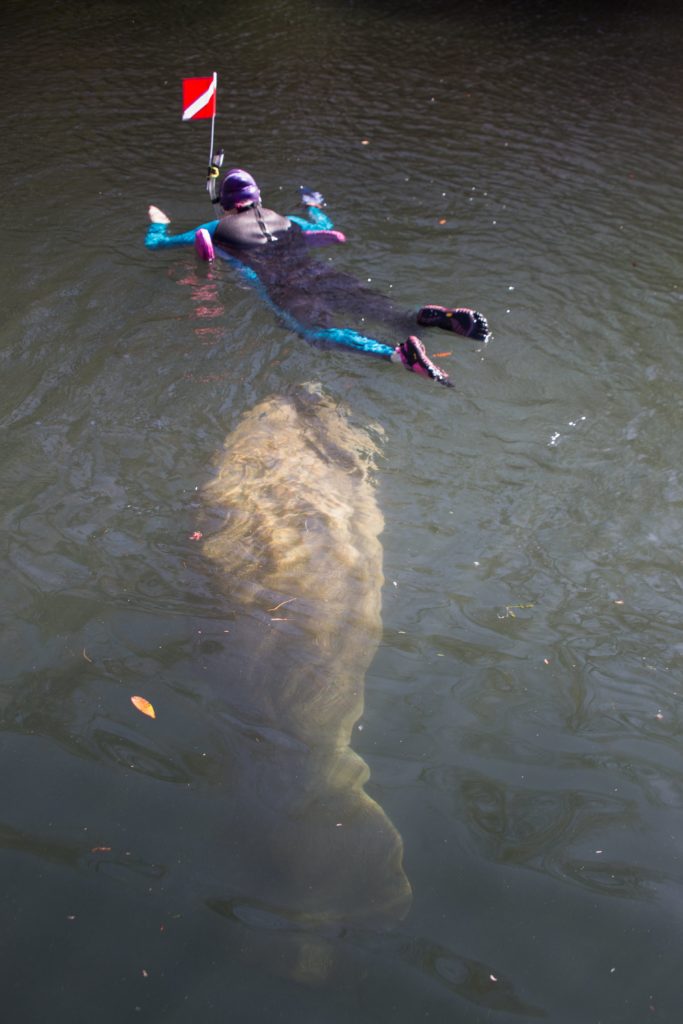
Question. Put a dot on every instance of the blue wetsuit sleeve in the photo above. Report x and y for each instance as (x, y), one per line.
(320, 220)
(157, 236)
(317, 220)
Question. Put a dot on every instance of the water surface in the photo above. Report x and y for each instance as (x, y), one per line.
(522, 714)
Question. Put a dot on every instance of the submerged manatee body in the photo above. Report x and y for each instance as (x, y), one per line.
(298, 552)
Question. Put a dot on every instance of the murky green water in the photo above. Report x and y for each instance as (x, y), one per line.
(522, 713)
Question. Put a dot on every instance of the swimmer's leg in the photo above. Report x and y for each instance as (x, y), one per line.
(410, 353)
(346, 294)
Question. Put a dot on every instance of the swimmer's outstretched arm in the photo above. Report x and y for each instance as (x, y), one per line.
(318, 228)
(317, 220)
(157, 236)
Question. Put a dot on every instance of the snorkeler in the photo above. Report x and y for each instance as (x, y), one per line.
(271, 253)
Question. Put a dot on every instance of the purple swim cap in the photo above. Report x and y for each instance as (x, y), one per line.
(238, 187)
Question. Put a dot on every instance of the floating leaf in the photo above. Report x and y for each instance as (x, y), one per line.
(144, 706)
(442, 355)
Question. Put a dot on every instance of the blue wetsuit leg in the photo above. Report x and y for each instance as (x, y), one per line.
(344, 336)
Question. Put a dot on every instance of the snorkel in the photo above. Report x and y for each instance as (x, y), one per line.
(212, 176)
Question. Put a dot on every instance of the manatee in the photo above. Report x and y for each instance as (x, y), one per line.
(294, 546)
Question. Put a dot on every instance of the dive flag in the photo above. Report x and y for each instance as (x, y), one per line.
(199, 97)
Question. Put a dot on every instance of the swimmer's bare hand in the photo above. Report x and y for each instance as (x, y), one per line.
(157, 216)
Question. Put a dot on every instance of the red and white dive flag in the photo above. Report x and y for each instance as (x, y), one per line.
(199, 97)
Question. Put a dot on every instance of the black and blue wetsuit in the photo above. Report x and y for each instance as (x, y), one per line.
(271, 253)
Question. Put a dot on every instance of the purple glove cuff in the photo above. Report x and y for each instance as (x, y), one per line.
(316, 239)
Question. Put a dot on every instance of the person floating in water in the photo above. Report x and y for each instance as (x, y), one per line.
(271, 252)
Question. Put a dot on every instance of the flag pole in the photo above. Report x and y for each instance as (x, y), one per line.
(213, 118)
(215, 159)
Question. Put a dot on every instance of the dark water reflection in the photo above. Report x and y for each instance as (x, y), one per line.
(522, 715)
